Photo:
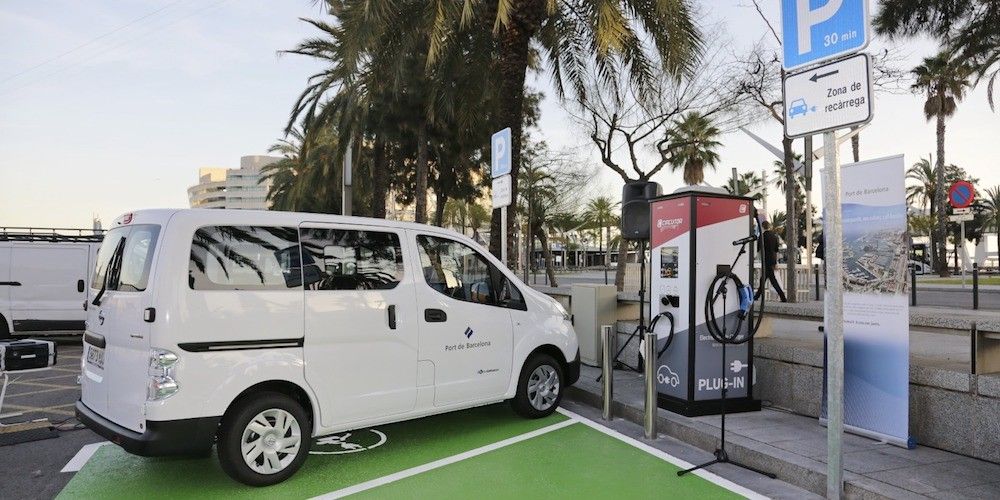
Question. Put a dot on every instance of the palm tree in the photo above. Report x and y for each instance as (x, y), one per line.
(992, 204)
(745, 184)
(610, 35)
(944, 79)
(696, 139)
(599, 212)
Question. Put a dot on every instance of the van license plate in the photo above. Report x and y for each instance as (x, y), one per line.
(95, 356)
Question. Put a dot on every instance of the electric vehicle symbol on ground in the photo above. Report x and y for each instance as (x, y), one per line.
(665, 375)
(798, 107)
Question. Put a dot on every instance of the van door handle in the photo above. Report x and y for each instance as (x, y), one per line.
(435, 316)
(10, 283)
(392, 317)
(79, 286)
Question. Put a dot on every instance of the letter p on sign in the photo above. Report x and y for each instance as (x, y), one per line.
(500, 157)
(816, 30)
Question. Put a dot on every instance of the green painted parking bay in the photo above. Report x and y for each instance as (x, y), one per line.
(485, 452)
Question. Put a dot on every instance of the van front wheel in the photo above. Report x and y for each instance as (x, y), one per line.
(264, 440)
(540, 387)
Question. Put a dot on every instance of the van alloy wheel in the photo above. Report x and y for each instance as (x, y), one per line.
(271, 441)
(543, 387)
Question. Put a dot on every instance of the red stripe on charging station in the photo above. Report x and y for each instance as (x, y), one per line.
(670, 219)
(716, 210)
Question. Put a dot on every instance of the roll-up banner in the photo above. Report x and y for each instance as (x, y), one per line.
(876, 307)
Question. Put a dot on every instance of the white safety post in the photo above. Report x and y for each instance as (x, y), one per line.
(834, 303)
(346, 200)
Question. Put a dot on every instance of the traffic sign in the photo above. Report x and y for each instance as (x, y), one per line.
(959, 211)
(501, 191)
(961, 217)
(961, 194)
(813, 33)
(830, 97)
(500, 159)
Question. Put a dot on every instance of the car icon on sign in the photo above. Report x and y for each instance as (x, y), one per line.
(798, 107)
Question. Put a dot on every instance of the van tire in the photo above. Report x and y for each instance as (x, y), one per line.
(236, 422)
(533, 371)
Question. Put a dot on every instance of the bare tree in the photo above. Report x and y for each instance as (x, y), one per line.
(635, 136)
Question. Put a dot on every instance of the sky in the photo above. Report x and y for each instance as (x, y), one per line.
(112, 106)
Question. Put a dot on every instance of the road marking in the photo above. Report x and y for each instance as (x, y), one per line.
(704, 474)
(80, 459)
(40, 391)
(46, 409)
(367, 485)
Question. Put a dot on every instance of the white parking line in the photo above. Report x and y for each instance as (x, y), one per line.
(367, 485)
(80, 459)
(683, 464)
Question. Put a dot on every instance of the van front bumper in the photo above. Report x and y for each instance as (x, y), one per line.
(192, 436)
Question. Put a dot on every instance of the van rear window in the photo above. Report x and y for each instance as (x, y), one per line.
(245, 258)
(132, 273)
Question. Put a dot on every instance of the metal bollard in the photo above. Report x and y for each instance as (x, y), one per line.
(816, 273)
(649, 358)
(974, 337)
(975, 285)
(913, 286)
(607, 374)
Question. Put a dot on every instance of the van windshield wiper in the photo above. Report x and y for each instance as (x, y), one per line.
(112, 263)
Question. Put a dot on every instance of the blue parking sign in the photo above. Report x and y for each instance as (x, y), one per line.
(500, 153)
(817, 30)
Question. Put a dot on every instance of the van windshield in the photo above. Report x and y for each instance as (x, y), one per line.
(132, 275)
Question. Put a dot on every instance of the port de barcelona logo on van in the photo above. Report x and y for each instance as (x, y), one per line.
(461, 346)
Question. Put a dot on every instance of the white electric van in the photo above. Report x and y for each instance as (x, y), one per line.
(44, 273)
(257, 331)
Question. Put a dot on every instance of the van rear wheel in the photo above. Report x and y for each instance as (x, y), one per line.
(539, 388)
(265, 439)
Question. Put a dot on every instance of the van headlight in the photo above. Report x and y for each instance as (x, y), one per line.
(161, 388)
(161, 375)
(562, 310)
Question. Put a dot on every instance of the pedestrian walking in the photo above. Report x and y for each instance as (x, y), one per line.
(770, 250)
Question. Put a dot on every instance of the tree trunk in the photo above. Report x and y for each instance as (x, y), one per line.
(380, 180)
(933, 231)
(550, 270)
(622, 264)
(941, 228)
(442, 200)
(420, 193)
(791, 222)
(525, 19)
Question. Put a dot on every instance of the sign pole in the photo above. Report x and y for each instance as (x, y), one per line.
(834, 302)
(503, 235)
(962, 243)
(809, 218)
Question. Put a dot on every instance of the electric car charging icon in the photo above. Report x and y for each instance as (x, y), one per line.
(665, 375)
(799, 107)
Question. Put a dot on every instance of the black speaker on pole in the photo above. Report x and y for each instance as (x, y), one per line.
(635, 209)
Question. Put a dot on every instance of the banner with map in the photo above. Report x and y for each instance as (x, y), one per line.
(876, 307)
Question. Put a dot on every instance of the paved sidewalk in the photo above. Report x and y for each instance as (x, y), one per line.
(794, 447)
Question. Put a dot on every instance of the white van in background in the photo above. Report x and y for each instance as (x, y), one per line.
(44, 274)
(257, 331)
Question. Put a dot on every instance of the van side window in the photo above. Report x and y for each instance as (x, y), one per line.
(245, 258)
(456, 270)
(349, 259)
(108, 246)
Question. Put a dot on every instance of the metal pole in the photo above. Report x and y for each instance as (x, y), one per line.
(834, 252)
(503, 236)
(347, 200)
(962, 243)
(809, 219)
(816, 274)
(649, 365)
(975, 285)
(763, 199)
(607, 375)
(913, 286)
